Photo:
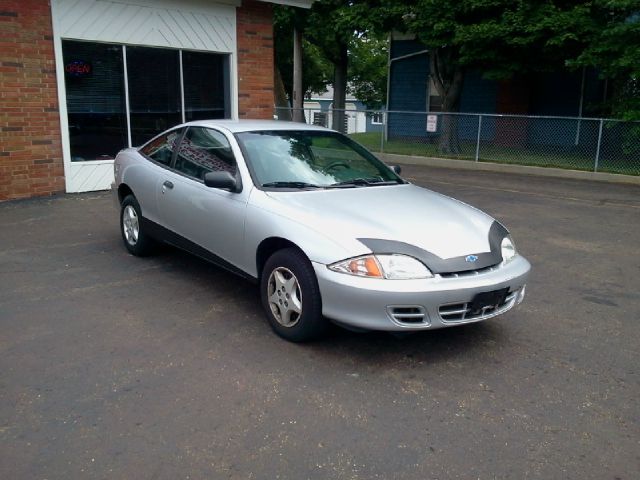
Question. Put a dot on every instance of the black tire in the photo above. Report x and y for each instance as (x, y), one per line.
(136, 241)
(307, 325)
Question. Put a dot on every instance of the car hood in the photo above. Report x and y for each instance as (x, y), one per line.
(405, 213)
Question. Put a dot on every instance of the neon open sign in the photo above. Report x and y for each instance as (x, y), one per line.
(78, 68)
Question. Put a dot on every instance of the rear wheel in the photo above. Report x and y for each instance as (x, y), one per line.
(135, 239)
(291, 297)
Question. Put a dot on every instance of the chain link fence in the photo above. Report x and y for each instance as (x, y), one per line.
(592, 144)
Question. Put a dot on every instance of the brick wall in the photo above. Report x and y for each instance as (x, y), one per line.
(30, 148)
(255, 60)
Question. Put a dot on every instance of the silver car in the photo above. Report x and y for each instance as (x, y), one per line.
(327, 230)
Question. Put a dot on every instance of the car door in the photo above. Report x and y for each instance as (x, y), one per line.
(143, 177)
(211, 218)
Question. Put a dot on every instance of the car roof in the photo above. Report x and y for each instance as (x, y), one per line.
(235, 126)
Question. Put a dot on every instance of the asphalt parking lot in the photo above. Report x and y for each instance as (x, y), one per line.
(118, 367)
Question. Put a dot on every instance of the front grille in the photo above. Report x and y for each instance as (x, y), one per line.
(408, 314)
(461, 312)
(469, 273)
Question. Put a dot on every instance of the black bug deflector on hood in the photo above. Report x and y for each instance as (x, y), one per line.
(444, 265)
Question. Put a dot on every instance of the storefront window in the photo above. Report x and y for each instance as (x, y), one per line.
(95, 75)
(154, 91)
(94, 80)
(204, 80)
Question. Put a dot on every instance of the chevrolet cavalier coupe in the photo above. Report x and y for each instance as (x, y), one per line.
(328, 231)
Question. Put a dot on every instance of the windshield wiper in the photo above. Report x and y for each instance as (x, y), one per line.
(364, 182)
(290, 185)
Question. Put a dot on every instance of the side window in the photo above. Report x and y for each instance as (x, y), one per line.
(161, 149)
(204, 150)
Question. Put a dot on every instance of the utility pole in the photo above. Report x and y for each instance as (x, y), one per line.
(298, 113)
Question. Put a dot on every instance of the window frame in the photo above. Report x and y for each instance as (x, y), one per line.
(184, 174)
(373, 116)
(320, 118)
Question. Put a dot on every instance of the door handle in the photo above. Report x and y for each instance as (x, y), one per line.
(168, 184)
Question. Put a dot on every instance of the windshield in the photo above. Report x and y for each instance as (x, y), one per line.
(311, 159)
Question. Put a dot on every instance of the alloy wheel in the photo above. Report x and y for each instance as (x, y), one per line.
(130, 224)
(285, 297)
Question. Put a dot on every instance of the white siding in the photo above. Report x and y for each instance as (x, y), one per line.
(159, 24)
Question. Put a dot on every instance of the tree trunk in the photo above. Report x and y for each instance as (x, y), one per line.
(298, 94)
(449, 140)
(448, 78)
(340, 90)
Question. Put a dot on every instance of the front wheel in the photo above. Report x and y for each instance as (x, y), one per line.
(135, 239)
(291, 297)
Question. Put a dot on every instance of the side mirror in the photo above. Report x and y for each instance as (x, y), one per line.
(221, 179)
(396, 169)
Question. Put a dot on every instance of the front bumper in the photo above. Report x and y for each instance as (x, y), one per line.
(401, 305)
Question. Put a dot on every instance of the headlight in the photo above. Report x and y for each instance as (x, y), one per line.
(508, 249)
(390, 266)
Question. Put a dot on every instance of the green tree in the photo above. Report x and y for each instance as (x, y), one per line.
(505, 38)
(499, 38)
(367, 72)
(332, 27)
(614, 49)
(316, 70)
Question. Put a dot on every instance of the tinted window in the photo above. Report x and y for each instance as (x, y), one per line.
(154, 91)
(94, 79)
(204, 150)
(161, 149)
(204, 79)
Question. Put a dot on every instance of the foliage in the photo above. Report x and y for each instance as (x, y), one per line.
(367, 75)
(500, 38)
(614, 49)
(334, 24)
(316, 69)
(332, 29)
(503, 38)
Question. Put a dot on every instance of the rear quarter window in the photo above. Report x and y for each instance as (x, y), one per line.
(161, 148)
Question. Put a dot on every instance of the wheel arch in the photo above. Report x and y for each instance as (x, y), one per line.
(123, 191)
(268, 247)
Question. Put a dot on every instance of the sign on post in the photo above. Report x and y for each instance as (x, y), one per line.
(432, 123)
